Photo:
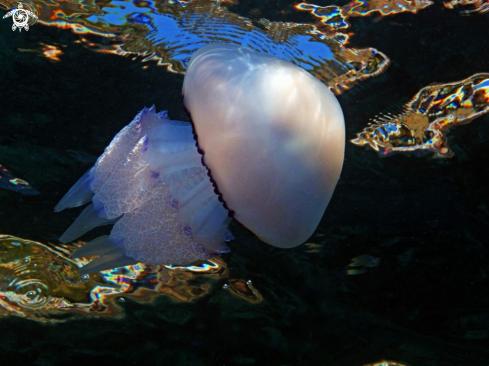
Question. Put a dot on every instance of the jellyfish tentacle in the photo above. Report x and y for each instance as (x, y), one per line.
(79, 195)
(110, 255)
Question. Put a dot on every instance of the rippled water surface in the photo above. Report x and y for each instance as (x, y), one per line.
(397, 272)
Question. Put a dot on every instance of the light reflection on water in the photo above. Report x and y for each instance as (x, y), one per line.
(41, 282)
(385, 363)
(171, 31)
(432, 110)
(12, 183)
(336, 17)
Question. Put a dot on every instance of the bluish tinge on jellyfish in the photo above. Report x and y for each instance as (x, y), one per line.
(171, 32)
(270, 150)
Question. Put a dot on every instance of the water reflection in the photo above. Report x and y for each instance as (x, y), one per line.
(475, 6)
(171, 31)
(360, 264)
(386, 363)
(12, 183)
(432, 110)
(41, 282)
(336, 17)
(51, 52)
(244, 290)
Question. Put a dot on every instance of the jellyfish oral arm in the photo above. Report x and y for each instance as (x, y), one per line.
(151, 183)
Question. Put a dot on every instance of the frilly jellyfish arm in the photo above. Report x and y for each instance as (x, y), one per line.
(151, 183)
(273, 138)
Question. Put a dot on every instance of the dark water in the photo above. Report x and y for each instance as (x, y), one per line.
(424, 303)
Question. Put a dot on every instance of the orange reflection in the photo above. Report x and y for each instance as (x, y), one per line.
(480, 6)
(50, 52)
(244, 290)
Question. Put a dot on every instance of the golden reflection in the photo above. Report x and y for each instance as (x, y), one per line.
(386, 363)
(360, 264)
(477, 6)
(244, 290)
(432, 110)
(41, 282)
(48, 51)
(312, 248)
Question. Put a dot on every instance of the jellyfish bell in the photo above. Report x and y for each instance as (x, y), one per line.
(272, 136)
(270, 146)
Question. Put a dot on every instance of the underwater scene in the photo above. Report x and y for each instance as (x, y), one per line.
(231, 182)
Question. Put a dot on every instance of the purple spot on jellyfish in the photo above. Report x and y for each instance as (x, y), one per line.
(154, 174)
(200, 249)
(170, 201)
(187, 230)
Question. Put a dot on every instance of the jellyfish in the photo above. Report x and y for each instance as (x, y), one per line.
(264, 146)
